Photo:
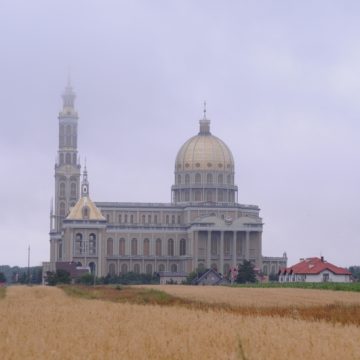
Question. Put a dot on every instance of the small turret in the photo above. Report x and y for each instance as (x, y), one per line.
(85, 184)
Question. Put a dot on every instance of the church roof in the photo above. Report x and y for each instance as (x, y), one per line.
(85, 209)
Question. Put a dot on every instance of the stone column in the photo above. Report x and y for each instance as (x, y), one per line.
(247, 245)
(208, 250)
(234, 249)
(221, 270)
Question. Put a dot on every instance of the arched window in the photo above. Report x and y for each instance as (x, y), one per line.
(197, 179)
(197, 195)
(187, 179)
(137, 268)
(155, 219)
(61, 159)
(143, 219)
(182, 247)
(92, 244)
(227, 245)
(92, 267)
(179, 179)
(220, 179)
(273, 269)
(131, 219)
(68, 135)
(124, 268)
(110, 247)
(226, 269)
(78, 244)
(146, 247)
(149, 219)
(122, 247)
(126, 218)
(149, 269)
(134, 247)
(167, 219)
(173, 219)
(108, 218)
(85, 212)
(161, 267)
(112, 269)
(171, 247)
(209, 178)
(187, 195)
(220, 195)
(62, 189)
(73, 190)
(209, 195)
(68, 159)
(60, 250)
(158, 247)
(120, 219)
(74, 159)
(229, 179)
(62, 209)
(265, 269)
(173, 268)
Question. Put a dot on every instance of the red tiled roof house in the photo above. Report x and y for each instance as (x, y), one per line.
(314, 270)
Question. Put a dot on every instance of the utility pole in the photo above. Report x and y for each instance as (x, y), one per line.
(29, 265)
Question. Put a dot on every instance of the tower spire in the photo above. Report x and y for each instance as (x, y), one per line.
(204, 123)
(85, 183)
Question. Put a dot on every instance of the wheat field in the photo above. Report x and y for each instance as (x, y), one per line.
(44, 323)
(265, 297)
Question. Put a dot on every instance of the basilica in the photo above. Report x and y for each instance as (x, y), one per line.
(203, 226)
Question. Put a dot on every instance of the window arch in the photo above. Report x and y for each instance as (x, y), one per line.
(143, 219)
(161, 267)
(173, 219)
(62, 189)
(122, 247)
(171, 247)
(209, 195)
(146, 247)
(68, 135)
(126, 219)
(68, 158)
(182, 247)
(110, 247)
(131, 219)
(124, 268)
(187, 195)
(78, 244)
(220, 195)
(134, 246)
(62, 209)
(209, 178)
(220, 179)
(173, 268)
(92, 244)
(85, 212)
(167, 219)
(158, 247)
(179, 179)
(229, 179)
(73, 190)
(148, 269)
(149, 219)
(187, 179)
(112, 269)
(137, 268)
(74, 159)
(197, 178)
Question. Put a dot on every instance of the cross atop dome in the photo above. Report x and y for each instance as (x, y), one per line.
(204, 124)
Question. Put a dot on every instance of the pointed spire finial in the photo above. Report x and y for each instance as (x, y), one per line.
(204, 110)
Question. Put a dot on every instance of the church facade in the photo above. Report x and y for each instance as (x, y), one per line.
(203, 226)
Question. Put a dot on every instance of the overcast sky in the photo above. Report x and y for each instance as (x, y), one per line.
(282, 84)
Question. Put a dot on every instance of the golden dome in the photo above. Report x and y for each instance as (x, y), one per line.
(204, 152)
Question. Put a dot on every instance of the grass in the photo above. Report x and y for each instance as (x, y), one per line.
(2, 292)
(333, 313)
(303, 285)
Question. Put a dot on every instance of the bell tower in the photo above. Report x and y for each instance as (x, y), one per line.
(67, 166)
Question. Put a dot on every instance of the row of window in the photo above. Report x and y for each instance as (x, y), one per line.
(67, 135)
(73, 189)
(205, 195)
(68, 159)
(124, 268)
(134, 248)
(144, 219)
(209, 179)
(85, 247)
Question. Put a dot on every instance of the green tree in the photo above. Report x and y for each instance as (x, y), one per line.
(58, 277)
(246, 273)
(2, 277)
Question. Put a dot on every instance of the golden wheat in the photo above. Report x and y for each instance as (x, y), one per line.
(259, 296)
(44, 323)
